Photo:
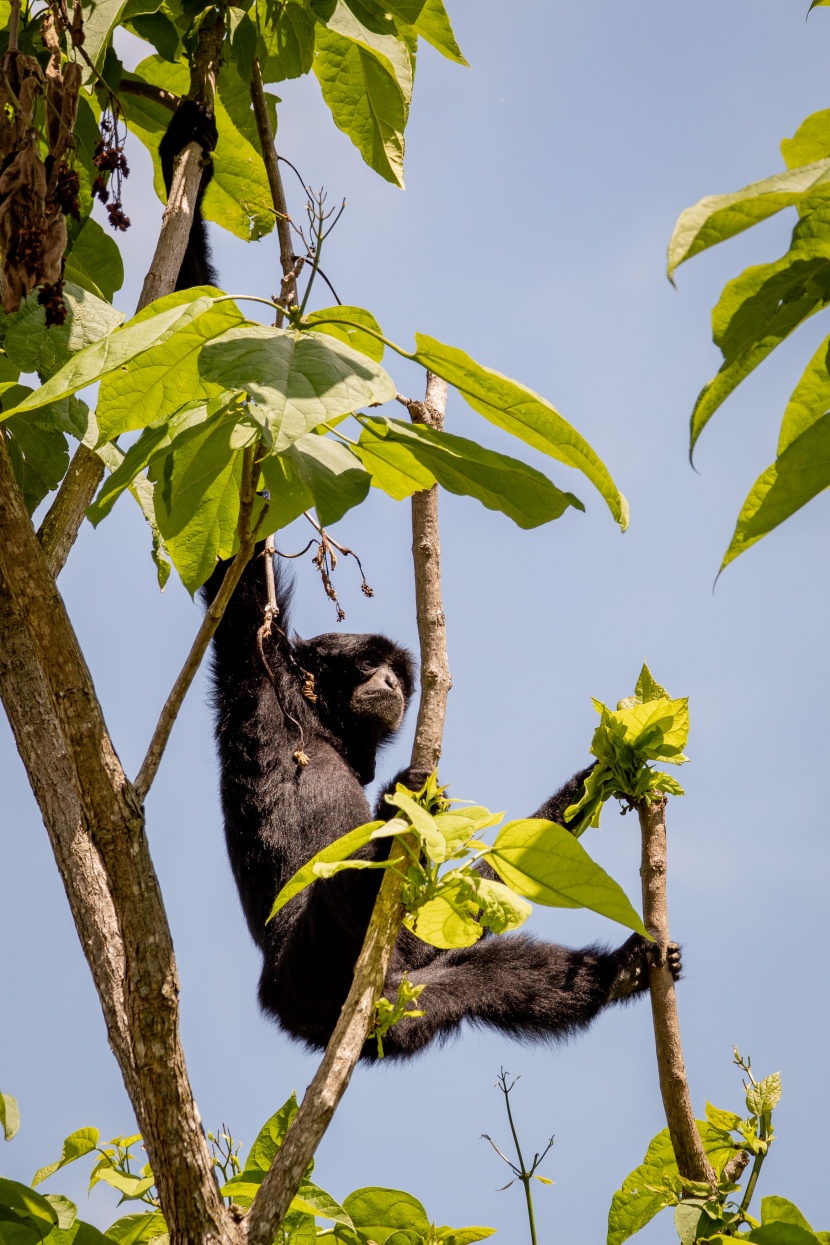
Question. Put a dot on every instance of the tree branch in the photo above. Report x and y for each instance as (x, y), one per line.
(60, 527)
(211, 620)
(346, 1044)
(94, 817)
(288, 289)
(688, 1148)
(146, 90)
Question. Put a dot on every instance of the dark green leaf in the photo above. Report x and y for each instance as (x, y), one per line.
(27, 1204)
(271, 1136)
(137, 1229)
(333, 475)
(377, 1213)
(159, 29)
(33, 347)
(286, 46)
(522, 413)
(463, 467)
(39, 458)
(93, 260)
(289, 495)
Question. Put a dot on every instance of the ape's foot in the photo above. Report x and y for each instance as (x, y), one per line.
(633, 960)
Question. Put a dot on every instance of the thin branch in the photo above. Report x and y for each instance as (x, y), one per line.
(14, 25)
(62, 522)
(210, 622)
(288, 291)
(692, 1160)
(346, 1044)
(146, 90)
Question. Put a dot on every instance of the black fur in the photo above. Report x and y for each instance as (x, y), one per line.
(278, 814)
(191, 123)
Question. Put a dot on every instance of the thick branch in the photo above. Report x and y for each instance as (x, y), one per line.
(288, 291)
(146, 90)
(105, 825)
(210, 622)
(59, 529)
(331, 1080)
(688, 1147)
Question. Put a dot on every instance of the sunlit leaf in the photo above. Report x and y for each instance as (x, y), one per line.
(340, 849)
(9, 1116)
(327, 321)
(83, 1141)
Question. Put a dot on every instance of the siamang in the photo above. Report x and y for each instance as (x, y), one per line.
(341, 698)
(279, 813)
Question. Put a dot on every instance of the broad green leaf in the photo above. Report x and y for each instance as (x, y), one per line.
(760, 308)
(659, 729)
(810, 399)
(66, 1211)
(463, 467)
(82, 1141)
(130, 1187)
(365, 100)
(458, 825)
(810, 143)
(655, 1184)
(28, 1205)
(159, 29)
(429, 19)
(779, 1210)
(238, 197)
(158, 382)
(502, 909)
(725, 1120)
(32, 347)
(9, 1116)
(340, 849)
(79, 1233)
(327, 321)
(423, 823)
(137, 1229)
(142, 490)
(271, 1136)
(765, 1096)
(100, 21)
(300, 380)
(286, 44)
(376, 1213)
(521, 412)
(718, 217)
(313, 1200)
(799, 475)
(333, 475)
(445, 921)
(465, 1236)
(373, 31)
(94, 260)
(289, 495)
(544, 862)
(39, 458)
(9, 372)
(781, 1233)
(112, 352)
(235, 95)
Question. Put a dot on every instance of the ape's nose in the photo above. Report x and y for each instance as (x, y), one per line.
(391, 680)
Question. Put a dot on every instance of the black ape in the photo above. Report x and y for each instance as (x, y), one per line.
(278, 814)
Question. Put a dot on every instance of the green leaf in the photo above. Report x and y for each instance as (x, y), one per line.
(289, 495)
(779, 1233)
(159, 29)
(502, 909)
(271, 1136)
(286, 43)
(544, 862)
(82, 1141)
(521, 412)
(718, 217)
(312, 1200)
(445, 920)
(300, 380)
(725, 1120)
(235, 95)
(373, 30)
(799, 475)
(9, 1116)
(463, 467)
(365, 100)
(658, 729)
(112, 352)
(779, 1210)
(332, 474)
(158, 382)
(377, 1213)
(100, 22)
(429, 19)
(137, 1229)
(648, 688)
(39, 458)
(760, 308)
(327, 321)
(809, 401)
(28, 1205)
(32, 347)
(340, 849)
(811, 141)
(79, 1233)
(765, 1096)
(66, 1211)
(93, 260)
(423, 823)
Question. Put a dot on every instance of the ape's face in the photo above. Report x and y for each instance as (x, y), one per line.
(360, 680)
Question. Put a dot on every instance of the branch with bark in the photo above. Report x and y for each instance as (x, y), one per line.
(346, 1044)
(692, 1160)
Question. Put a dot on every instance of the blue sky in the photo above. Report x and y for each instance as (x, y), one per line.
(542, 187)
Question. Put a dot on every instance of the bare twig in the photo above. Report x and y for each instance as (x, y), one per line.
(288, 291)
(211, 620)
(688, 1148)
(14, 25)
(346, 1043)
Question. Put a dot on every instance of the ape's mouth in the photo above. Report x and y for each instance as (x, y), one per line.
(386, 704)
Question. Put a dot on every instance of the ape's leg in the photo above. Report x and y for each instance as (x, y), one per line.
(524, 988)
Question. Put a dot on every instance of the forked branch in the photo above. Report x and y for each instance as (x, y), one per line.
(346, 1043)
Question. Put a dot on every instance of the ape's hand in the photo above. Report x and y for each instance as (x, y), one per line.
(634, 958)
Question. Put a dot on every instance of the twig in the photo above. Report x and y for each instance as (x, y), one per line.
(691, 1157)
(211, 620)
(14, 25)
(288, 291)
(519, 1170)
(357, 1017)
